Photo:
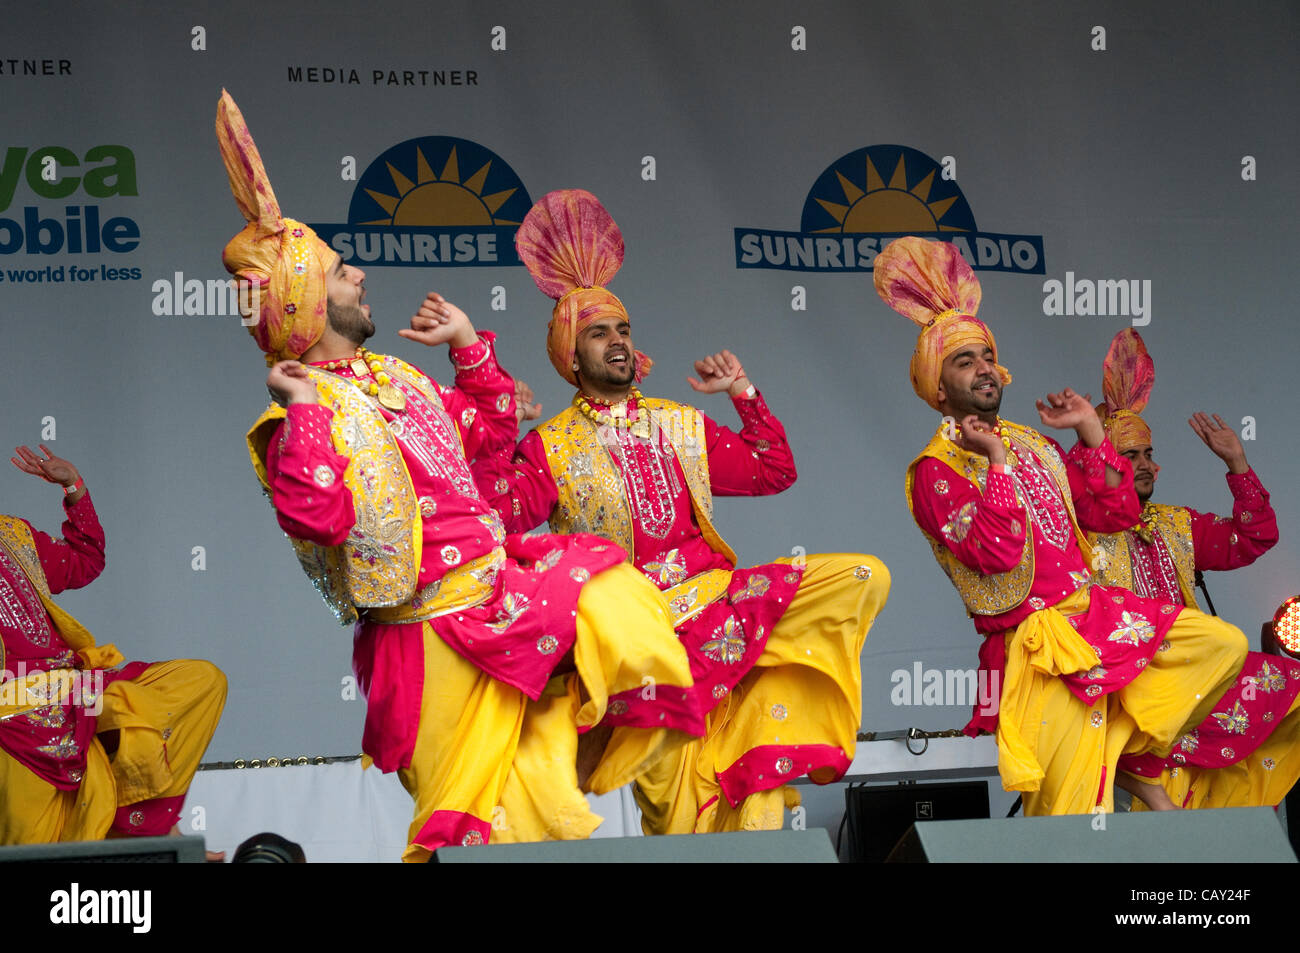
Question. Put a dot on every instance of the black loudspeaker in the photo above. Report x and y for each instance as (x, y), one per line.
(744, 847)
(1223, 835)
(124, 850)
(875, 817)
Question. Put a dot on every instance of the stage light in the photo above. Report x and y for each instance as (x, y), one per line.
(1282, 635)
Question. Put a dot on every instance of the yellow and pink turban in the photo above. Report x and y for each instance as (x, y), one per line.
(284, 261)
(930, 283)
(572, 248)
(1127, 376)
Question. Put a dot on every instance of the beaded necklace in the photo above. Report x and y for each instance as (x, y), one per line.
(619, 419)
(366, 363)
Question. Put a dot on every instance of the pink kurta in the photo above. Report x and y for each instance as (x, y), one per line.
(521, 633)
(986, 531)
(725, 641)
(1257, 701)
(1219, 543)
(51, 741)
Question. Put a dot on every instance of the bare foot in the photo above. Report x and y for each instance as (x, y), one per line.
(1153, 796)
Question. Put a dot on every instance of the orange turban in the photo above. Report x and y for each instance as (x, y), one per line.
(930, 283)
(1127, 376)
(572, 248)
(283, 260)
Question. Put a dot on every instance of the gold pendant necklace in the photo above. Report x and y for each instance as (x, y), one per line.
(617, 418)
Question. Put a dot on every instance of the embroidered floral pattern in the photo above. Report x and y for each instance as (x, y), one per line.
(728, 643)
(1234, 722)
(756, 586)
(959, 522)
(63, 748)
(669, 570)
(512, 607)
(1270, 679)
(1134, 629)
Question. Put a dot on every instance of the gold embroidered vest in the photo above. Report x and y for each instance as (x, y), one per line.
(379, 563)
(1174, 525)
(17, 541)
(592, 494)
(999, 592)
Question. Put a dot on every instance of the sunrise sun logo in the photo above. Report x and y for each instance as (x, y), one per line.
(869, 197)
(433, 201)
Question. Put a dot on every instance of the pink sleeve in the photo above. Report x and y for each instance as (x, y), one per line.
(78, 558)
(519, 486)
(483, 401)
(306, 476)
(1223, 543)
(755, 462)
(985, 531)
(1101, 508)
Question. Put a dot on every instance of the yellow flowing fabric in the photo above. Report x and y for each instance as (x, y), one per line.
(165, 717)
(1058, 750)
(1261, 779)
(484, 748)
(805, 689)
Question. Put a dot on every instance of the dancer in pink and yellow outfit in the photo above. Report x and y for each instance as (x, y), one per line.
(775, 648)
(1088, 673)
(497, 669)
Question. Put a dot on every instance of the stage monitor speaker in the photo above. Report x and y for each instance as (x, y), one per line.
(124, 850)
(742, 847)
(876, 816)
(1223, 835)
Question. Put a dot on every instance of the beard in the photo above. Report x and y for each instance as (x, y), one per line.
(968, 402)
(350, 321)
(596, 371)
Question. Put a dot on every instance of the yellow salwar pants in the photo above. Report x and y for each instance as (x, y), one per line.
(164, 717)
(1262, 779)
(484, 748)
(805, 689)
(1060, 752)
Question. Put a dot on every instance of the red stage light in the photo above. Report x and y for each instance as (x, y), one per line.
(1286, 629)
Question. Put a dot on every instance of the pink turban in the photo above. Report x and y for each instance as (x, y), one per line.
(573, 248)
(930, 283)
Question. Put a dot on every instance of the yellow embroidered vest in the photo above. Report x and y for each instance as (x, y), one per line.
(1174, 525)
(17, 541)
(592, 494)
(1000, 592)
(379, 563)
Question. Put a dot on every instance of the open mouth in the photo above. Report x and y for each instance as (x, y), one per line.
(985, 388)
(617, 359)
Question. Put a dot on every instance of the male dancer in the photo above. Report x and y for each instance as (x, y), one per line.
(775, 648)
(1241, 755)
(483, 656)
(1088, 673)
(89, 747)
